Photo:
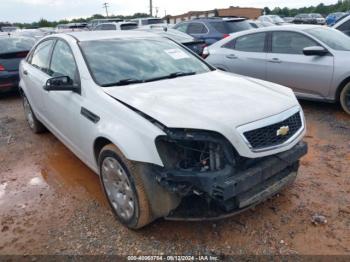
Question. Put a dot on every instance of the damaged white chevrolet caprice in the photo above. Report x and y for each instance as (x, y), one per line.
(169, 135)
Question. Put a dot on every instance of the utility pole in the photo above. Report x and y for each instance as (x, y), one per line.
(151, 7)
(106, 5)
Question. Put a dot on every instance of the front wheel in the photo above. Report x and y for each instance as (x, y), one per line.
(124, 188)
(345, 98)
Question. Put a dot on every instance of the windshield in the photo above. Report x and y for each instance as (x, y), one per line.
(152, 21)
(331, 37)
(13, 45)
(115, 60)
(276, 19)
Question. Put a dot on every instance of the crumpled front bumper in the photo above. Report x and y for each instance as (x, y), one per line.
(234, 190)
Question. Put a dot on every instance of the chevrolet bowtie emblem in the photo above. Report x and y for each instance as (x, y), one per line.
(283, 131)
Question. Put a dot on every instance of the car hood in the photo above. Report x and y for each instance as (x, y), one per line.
(209, 101)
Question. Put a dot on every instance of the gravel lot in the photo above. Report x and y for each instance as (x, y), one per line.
(51, 203)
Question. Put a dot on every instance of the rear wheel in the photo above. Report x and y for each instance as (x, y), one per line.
(124, 188)
(35, 125)
(345, 98)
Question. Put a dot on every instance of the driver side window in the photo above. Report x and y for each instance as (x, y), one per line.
(63, 63)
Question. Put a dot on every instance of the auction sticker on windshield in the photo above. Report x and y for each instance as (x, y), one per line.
(176, 53)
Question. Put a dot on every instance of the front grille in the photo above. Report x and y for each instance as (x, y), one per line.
(267, 136)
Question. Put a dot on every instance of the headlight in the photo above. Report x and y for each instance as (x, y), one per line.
(195, 150)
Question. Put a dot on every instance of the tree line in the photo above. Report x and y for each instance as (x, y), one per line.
(45, 23)
(340, 6)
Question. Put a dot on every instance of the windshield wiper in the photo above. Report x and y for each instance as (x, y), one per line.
(124, 82)
(172, 75)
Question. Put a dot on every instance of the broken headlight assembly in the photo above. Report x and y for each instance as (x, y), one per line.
(195, 150)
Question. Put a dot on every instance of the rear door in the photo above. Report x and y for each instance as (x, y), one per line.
(288, 66)
(246, 55)
(35, 73)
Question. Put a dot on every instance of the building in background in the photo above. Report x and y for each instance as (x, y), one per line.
(248, 12)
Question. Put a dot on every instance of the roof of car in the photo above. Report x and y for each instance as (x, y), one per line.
(287, 27)
(100, 35)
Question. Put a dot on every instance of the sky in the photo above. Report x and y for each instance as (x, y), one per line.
(34, 10)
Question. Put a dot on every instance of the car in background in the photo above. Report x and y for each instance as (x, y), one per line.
(333, 18)
(258, 24)
(71, 27)
(8, 29)
(149, 21)
(288, 19)
(304, 19)
(168, 134)
(12, 50)
(343, 25)
(196, 46)
(273, 19)
(212, 30)
(312, 60)
(320, 20)
(95, 22)
(116, 26)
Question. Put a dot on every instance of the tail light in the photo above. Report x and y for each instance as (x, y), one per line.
(225, 35)
(205, 53)
(2, 68)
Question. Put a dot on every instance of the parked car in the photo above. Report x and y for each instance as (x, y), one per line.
(149, 21)
(12, 50)
(71, 27)
(320, 20)
(197, 46)
(333, 18)
(288, 19)
(212, 29)
(312, 60)
(8, 29)
(168, 134)
(95, 22)
(273, 19)
(116, 26)
(258, 24)
(304, 19)
(343, 25)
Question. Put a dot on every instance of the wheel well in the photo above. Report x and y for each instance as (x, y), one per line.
(100, 142)
(341, 86)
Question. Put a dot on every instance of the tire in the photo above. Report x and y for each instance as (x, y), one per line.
(345, 98)
(124, 188)
(35, 125)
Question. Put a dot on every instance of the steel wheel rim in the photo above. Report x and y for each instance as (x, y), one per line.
(118, 188)
(347, 99)
(28, 112)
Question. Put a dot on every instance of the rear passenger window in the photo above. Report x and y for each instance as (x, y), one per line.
(197, 28)
(251, 43)
(108, 27)
(290, 43)
(220, 27)
(41, 56)
(345, 27)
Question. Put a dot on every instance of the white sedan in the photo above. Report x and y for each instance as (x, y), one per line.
(168, 134)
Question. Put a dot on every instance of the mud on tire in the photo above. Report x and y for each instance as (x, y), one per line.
(142, 211)
(345, 98)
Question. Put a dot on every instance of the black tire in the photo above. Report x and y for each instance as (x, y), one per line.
(345, 98)
(142, 214)
(35, 125)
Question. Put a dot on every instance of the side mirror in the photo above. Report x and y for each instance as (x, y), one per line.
(315, 51)
(61, 83)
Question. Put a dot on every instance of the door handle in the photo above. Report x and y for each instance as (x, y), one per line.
(231, 56)
(25, 72)
(275, 60)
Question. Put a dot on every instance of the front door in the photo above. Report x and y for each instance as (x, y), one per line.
(288, 66)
